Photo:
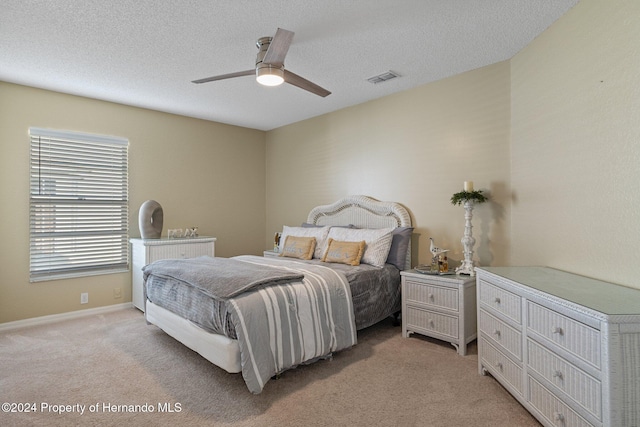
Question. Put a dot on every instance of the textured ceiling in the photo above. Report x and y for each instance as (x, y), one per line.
(145, 53)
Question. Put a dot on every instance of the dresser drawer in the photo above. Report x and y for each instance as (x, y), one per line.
(500, 366)
(551, 408)
(180, 251)
(575, 337)
(431, 295)
(501, 333)
(501, 301)
(580, 386)
(421, 320)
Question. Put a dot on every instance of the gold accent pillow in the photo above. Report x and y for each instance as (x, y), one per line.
(299, 247)
(349, 253)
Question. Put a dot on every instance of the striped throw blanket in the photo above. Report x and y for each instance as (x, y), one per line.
(282, 326)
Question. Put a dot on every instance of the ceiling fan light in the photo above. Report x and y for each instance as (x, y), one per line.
(269, 76)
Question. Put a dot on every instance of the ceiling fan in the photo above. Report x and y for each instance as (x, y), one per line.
(270, 69)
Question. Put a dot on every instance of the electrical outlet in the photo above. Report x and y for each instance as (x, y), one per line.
(117, 293)
(84, 298)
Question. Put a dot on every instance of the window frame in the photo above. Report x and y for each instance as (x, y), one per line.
(78, 204)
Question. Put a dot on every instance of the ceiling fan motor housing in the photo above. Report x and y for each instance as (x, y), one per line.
(267, 74)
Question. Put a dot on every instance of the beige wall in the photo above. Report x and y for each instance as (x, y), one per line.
(416, 148)
(196, 169)
(576, 144)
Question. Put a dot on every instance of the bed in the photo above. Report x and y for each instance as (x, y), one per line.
(237, 335)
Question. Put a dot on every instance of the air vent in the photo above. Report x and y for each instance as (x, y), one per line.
(382, 77)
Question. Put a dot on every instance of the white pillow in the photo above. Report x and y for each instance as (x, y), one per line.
(378, 242)
(320, 233)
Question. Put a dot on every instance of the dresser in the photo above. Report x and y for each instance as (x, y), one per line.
(566, 346)
(145, 251)
(442, 307)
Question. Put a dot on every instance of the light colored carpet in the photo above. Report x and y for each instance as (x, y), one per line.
(106, 361)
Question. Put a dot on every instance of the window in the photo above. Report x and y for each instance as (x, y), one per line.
(79, 214)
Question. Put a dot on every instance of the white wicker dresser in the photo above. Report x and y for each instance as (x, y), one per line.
(566, 346)
(145, 251)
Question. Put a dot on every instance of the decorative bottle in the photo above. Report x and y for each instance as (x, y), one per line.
(434, 264)
(276, 243)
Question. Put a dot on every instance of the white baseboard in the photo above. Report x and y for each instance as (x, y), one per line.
(62, 316)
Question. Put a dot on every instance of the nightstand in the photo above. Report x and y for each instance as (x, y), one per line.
(442, 307)
(271, 253)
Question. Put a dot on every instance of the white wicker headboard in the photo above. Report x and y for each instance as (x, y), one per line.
(363, 212)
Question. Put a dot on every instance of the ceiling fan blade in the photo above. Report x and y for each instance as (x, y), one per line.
(227, 76)
(305, 84)
(278, 47)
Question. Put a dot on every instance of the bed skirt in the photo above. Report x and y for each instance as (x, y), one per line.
(218, 349)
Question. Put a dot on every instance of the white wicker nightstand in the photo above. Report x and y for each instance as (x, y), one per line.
(271, 253)
(442, 307)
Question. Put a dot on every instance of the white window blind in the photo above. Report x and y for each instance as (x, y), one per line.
(79, 214)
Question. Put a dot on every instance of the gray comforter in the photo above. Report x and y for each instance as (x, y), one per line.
(282, 325)
(220, 278)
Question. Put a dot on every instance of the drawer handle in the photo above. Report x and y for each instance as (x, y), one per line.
(558, 416)
(431, 323)
(496, 333)
(499, 365)
(557, 374)
(558, 330)
(430, 297)
(497, 300)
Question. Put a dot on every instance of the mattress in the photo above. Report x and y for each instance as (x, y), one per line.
(375, 293)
